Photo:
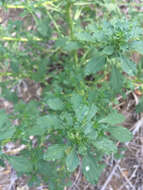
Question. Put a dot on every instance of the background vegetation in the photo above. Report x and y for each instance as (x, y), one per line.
(63, 63)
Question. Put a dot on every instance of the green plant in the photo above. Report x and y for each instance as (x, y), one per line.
(82, 72)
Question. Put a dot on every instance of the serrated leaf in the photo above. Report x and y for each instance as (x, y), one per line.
(72, 161)
(54, 152)
(113, 118)
(128, 66)
(105, 145)
(55, 104)
(90, 169)
(95, 65)
(21, 164)
(122, 134)
(137, 46)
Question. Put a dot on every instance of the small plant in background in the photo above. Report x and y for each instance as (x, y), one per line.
(77, 65)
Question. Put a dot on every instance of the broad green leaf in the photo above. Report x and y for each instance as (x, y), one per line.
(137, 46)
(72, 161)
(21, 164)
(7, 133)
(108, 50)
(84, 36)
(116, 80)
(92, 135)
(55, 104)
(122, 134)
(128, 66)
(44, 123)
(60, 42)
(67, 117)
(66, 44)
(46, 168)
(76, 100)
(105, 145)
(71, 45)
(91, 170)
(92, 112)
(6, 129)
(49, 121)
(82, 112)
(88, 128)
(113, 118)
(95, 65)
(54, 152)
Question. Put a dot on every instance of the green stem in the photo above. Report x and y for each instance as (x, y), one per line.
(71, 33)
(69, 19)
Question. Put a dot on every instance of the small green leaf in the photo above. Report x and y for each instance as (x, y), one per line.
(122, 134)
(72, 161)
(21, 164)
(54, 152)
(105, 145)
(91, 170)
(116, 80)
(128, 66)
(55, 104)
(95, 65)
(113, 118)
